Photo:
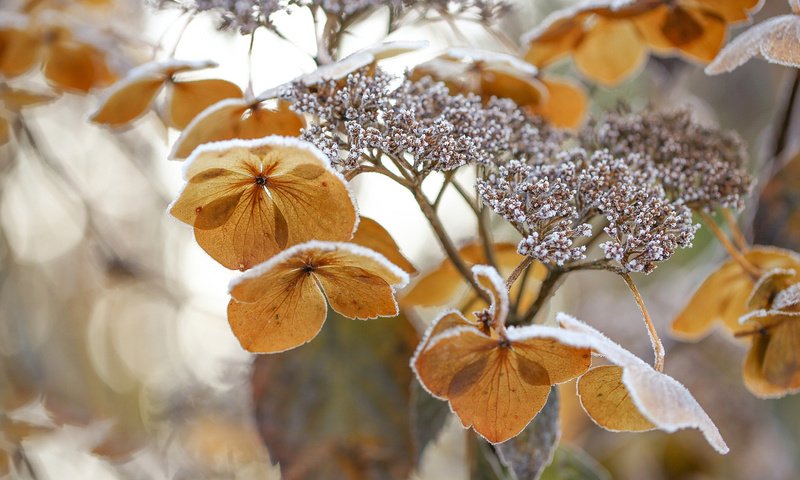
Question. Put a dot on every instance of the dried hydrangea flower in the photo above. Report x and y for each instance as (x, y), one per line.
(551, 204)
(419, 121)
(700, 165)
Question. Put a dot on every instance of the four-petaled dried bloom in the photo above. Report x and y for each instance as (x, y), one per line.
(699, 165)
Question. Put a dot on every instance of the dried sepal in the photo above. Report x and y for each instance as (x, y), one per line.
(609, 40)
(19, 47)
(248, 200)
(237, 119)
(776, 40)
(723, 295)
(16, 99)
(772, 366)
(496, 380)
(281, 303)
(372, 235)
(75, 66)
(133, 96)
(459, 364)
(655, 398)
(566, 104)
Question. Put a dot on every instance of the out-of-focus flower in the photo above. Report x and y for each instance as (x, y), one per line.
(776, 40)
(609, 39)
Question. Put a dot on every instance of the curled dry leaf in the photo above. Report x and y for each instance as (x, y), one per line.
(444, 284)
(237, 119)
(372, 235)
(248, 200)
(280, 304)
(609, 40)
(722, 297)
(496, 385)
(776, 40)
(132, 97)
(630, 395)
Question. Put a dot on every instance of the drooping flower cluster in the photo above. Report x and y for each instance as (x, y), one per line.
(419, 121)
(551, 205)
(700, 165)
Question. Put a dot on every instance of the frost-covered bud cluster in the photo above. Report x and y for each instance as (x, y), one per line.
(372, 113)
(699, 165)
(551, 205)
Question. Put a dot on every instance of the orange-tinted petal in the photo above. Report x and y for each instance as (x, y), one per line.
(372, 235)
(289, 312)
(566, 104)
(18, 98)
(236, 119)
(5, 130)
(77, 67)
(558, 40)
(505, 82)
(188, 98)
(607, 401)
(731, 11)
(128, 100)
(496, 387)
(772, 366)
(696, 33)
(19, 51)
(723, 295)
(279, 304)
(248, 200)
(611, 52)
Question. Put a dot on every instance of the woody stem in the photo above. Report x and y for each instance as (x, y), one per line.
(658, 347)
(748, 267)
(446, 242)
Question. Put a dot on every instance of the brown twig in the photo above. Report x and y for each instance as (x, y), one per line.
(658, 347)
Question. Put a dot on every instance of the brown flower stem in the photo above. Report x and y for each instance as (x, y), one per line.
(553, 279)
(736, 232)
(249, 92)
(467, 198)
(522, 267)
(448, 178)
(486, 239)
(522, 283)
(181, 31)
(748, 267)
(446, 242)
(376, 169)
(658, 347)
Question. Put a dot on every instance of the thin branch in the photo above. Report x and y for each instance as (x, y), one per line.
(554, 277)
(736, 232)
(448, 177)
(783, 134)
(658, 347)
(748, 267)
(446, 242)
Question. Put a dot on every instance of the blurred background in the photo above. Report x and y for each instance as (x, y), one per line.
(116, 359)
